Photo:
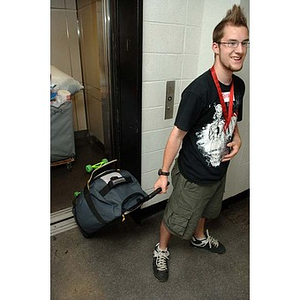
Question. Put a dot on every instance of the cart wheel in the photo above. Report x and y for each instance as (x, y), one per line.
(89, 168)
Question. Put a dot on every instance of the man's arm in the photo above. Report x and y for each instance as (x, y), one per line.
(171, 150)
(235, 145)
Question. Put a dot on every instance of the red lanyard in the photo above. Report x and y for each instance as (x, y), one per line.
(227, 115)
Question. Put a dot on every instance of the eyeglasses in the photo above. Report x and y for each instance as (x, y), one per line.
(235, 44)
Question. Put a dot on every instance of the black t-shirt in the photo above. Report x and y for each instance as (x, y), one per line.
(200, 114)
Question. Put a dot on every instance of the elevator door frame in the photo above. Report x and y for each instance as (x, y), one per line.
(126, 83)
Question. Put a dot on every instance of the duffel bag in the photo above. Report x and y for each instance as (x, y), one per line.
(108, 195)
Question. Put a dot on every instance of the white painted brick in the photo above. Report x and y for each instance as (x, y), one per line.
(149, 179)
(153, 119)
(152, 161)
(166, 11)
(162, 38)
(161, 67)
(153, 94)
(190, 66)
(192, 40)
(195, 12)
(155, 140)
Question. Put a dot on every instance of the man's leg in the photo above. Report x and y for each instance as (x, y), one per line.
(201, 238)
(164, 237)
(161, 255)
(199, 233)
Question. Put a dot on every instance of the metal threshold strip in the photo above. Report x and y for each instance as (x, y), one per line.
(62, 221)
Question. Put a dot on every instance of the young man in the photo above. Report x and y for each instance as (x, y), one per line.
(205, 129)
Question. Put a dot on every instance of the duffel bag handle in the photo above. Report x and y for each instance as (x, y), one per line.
(114, 181)
(154, 193)
(149, 196)
(141, 201)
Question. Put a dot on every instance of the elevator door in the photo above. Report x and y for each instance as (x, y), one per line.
(111, 50)
(94, 32)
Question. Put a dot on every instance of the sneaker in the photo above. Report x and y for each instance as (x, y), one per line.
(211, 244)
(161, 264)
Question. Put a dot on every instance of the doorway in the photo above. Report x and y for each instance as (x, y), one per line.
(110, 45)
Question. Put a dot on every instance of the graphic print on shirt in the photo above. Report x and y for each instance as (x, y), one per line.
(212, 140)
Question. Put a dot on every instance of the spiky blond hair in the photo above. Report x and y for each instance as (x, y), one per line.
(235, 17)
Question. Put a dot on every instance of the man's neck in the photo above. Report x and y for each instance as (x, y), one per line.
(224, 75)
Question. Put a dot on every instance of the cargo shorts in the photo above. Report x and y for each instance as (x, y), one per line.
(189, 202)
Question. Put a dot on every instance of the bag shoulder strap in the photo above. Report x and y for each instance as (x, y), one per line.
(91, 205)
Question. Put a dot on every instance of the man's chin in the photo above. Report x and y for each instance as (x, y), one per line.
(236, 68)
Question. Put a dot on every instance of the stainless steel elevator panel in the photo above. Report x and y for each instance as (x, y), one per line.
(169, 104)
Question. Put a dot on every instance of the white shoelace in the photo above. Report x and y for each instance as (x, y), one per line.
(211, 241)
(161, 261)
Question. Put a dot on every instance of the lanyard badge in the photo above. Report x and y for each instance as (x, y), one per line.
(227, 113)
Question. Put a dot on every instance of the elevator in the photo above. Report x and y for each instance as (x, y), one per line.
(99, 43)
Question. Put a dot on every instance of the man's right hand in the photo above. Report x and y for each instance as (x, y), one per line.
(162, 182)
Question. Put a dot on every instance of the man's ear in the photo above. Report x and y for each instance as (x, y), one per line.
(215, 48)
